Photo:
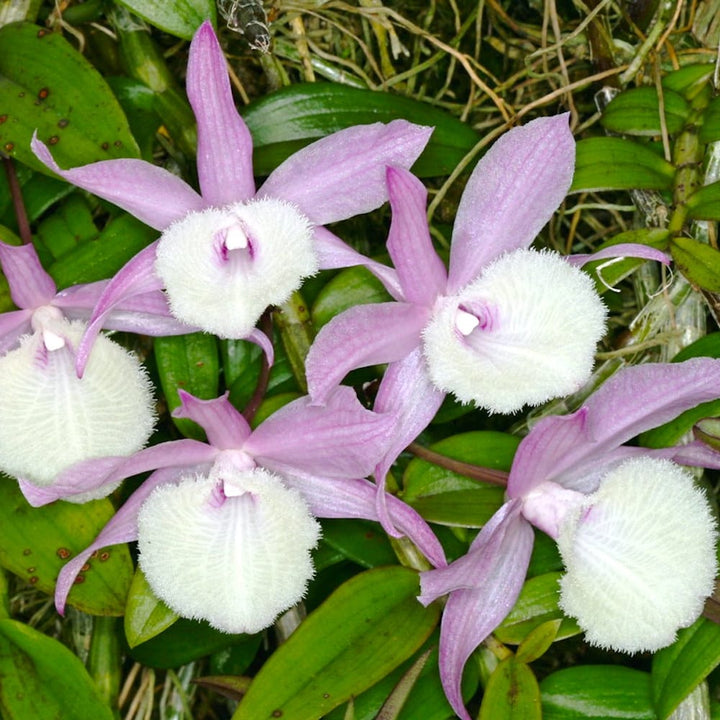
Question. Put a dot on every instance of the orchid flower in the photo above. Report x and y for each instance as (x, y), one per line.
(225, 527)
(636, 536)
(58, 419)
(504, 326)
(226, 254)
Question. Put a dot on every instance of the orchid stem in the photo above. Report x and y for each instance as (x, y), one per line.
(266, 325)
(474, 472)
(18, 204)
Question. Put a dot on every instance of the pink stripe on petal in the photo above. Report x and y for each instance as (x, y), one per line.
(620, 251)
(122, 527)
(422, 273)
(224, 157)
(511, 195)
(148, 192)
(30, 285)
(343, 174)
(361, 336)
(224, 426)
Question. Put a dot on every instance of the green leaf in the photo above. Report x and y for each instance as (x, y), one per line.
(180, 18)
(536, 605)
(710, 128)
(191, 363)
(689, 80)
(512, 693)
(36, 542)
(611, 163)
(637, 112)
(672, 432)
(398, 697)
(698, 262)
(48, 86)
(350, 287)
(42, 679)
(101, 257)
(363, 631)
(706, 346)
(185, 641)
(361, 541)
(538, 641)
(145, 615)
(285, 121)
(449, 498)
(678, 669)
(597, 692)
(704, 203)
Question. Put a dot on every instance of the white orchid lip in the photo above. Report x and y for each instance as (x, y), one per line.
(523, 333)
(222, 267)
(59, 419)
(640, 556)
(232, 547)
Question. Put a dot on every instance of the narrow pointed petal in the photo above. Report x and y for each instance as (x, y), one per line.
(343, 174)
(511, 195)
(407, 395)
(148, 192)
(334, 253)
(224, 426)
(224, 156)
(259, 338)
(341, 439)
(136, 277)
(564, 448)
(355, 498)
(108, 472)
(30, 285)
(696, 454)
(422, 273)
(13, 324)
(620, 251)
(499, 563)
(361, 336)
(121, 528)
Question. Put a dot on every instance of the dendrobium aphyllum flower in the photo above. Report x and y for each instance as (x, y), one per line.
(224, 528)
(637, 537)
(52, 418)
(228, 253)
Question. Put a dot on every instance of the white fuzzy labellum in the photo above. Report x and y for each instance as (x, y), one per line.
(232, 548)
(524, 332)
(222, 267)
(640, 557)
(53, 419)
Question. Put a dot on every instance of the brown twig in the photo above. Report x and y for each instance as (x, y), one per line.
(474, 472)
(266, 326)
(17, 198)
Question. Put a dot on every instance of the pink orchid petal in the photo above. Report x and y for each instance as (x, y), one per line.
(341, 439)
(224, 426)
(361, 336)
(122, 527)
(334, 253)
(13, 325)
(90, 475)
(635, 399)
(259, 338)
(422, 273)
(511, 195)
(136, 277)
(150, 193)
(696, 454)
(224, 156)
(355, 498)
(408, 396)
(343, 175)
(621, 250)
(498, 561)
(30, 285)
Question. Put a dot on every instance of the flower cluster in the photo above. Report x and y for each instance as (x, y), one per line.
(502, 327)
